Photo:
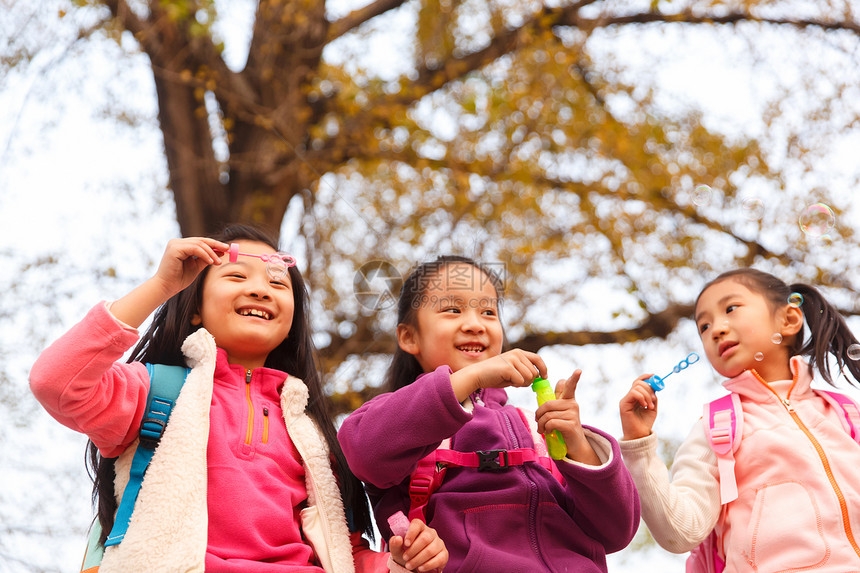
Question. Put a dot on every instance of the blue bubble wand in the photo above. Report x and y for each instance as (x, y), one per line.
(656, 382)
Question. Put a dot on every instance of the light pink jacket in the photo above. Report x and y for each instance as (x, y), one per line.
(798, 475)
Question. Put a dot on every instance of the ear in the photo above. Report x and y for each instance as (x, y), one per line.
(792, 320)
(407, 338)
(196, 319)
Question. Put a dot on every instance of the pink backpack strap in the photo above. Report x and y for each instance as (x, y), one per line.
(850, 411)
(430, 470)
(426, 478)
(723, 420)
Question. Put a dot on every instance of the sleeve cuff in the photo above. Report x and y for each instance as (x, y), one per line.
(601, 446)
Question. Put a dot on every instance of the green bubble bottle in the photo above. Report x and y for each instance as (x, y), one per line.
(554, 442)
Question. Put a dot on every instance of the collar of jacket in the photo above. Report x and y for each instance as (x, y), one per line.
(748, 385)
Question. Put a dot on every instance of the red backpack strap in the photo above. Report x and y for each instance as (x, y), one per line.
(850, 411)
(430, 470)
(426, 478)
(723, 419)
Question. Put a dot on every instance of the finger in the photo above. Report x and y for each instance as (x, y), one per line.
(395, 547)
(525, 374)
(428, 558)
(214, 252)
(538, 363)
(568, 387)
(196, 248)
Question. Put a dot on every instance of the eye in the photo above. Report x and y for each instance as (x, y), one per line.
(703, 327)
(731, 307)
(236, 276)
(452, 310)
(281, 284)
(489, 312)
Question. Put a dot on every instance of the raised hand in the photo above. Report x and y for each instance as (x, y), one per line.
(182, 261)
(513, 368)
(562, 414)
(638, 409)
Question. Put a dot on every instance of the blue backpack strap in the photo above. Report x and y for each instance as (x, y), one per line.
(165, 383)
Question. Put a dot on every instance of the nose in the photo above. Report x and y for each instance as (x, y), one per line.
(472, 322)
(720, 329)
(259, 289)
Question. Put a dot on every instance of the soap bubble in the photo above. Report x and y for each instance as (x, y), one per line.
(854, 352)
(277, 268)
(817, 220)
(702, 195)
(795, 299)
(759, 356)
(776, 338)
(753, 209)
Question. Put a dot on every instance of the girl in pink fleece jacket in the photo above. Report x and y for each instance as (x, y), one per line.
(796, 505)
(248, 475)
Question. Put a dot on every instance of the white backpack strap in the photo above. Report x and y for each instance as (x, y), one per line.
(723, 420)
(850, 411)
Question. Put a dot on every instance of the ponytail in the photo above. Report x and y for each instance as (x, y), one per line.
(828, 334)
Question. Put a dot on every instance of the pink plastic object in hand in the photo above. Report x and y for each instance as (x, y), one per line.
(282, 259)
(399, 524)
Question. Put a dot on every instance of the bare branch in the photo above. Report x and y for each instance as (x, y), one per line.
(572, 18)
(358, 17)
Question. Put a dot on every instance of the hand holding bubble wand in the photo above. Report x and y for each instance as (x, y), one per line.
(656, 382)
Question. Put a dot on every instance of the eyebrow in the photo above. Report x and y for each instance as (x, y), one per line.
(720, 302)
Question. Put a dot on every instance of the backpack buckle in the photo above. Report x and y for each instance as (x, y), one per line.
(488, 460)
(151, 430)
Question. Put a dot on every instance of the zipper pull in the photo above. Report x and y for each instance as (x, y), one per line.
(248, 376)
(266, 412)
(787, 404)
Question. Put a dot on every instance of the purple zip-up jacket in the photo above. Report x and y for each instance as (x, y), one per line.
(521, 519)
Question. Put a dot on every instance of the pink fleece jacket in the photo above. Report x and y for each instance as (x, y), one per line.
(255, 479)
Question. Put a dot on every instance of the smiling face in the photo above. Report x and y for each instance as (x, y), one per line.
(737, 327)
(248, 312)
(457, 320)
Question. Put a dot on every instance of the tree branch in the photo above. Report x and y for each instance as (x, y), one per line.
(656, 325)
(572, 18)
(358, 17)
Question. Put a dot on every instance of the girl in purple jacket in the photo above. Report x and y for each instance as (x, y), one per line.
(515, 510)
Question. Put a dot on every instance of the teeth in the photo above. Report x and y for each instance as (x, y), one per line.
(471, 348)
(255, 312)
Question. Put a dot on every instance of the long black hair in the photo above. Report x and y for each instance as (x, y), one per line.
(828, 332)
(296, 355)
(404, 367)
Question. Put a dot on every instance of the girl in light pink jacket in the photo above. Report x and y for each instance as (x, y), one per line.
(796, 468)
(248, 475)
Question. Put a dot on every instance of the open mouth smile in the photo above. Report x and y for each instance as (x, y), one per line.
(256, 312)
(472, 348)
